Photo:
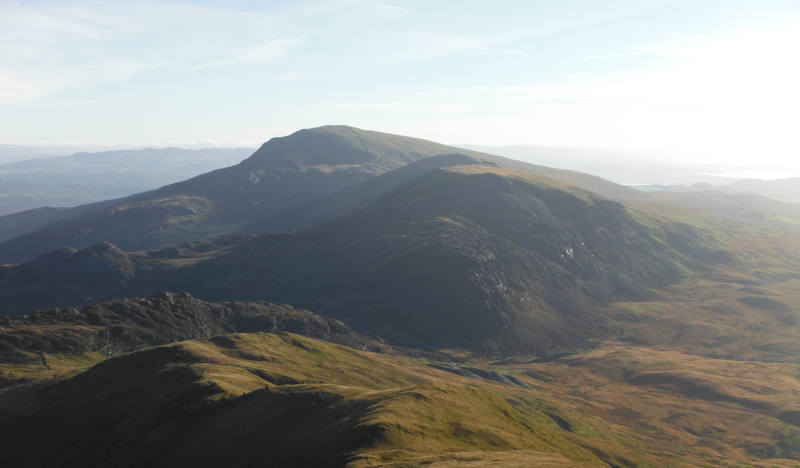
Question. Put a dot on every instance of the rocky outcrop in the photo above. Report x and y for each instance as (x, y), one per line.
(481, 374)
(128, 324)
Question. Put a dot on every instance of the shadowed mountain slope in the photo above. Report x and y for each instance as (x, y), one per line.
(283, 174)
(18, 224)
(468, 256)
(357, 197)
(472, 256)
(66, 277)
(69, 277)
(128, 324)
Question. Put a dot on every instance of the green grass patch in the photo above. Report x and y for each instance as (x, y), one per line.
(782, 218)
(641, 312)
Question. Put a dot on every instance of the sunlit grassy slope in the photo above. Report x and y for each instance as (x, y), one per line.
(286, 400)
(742, 302)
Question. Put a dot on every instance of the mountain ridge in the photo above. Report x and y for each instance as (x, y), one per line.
(284, 173)
(126, 325)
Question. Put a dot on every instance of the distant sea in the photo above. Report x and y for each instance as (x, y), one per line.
(764, 175)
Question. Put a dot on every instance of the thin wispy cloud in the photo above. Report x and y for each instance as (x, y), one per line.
(64, 42)
(52, 47)
(629, 53)
(271, 50)
(591, 73)
(15, 88)
(401, 107)
(36, 52)
(365, 9)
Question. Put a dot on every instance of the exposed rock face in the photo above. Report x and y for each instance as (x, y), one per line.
(128, 324)
(480, 374)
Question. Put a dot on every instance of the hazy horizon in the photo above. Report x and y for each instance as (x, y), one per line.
(600, 160)
(710, 82)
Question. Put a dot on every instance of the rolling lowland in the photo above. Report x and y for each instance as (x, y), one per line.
(351, 298)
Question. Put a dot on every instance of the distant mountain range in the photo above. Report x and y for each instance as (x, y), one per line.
(785, 190)
(91, 177)
(14, 153)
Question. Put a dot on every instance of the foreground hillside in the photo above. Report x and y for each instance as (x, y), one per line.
(286, 400)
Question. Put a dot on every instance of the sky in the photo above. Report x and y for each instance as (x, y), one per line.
(695, 81)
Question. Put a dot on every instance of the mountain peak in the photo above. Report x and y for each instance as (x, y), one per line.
(284, 174)
(341, 145)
